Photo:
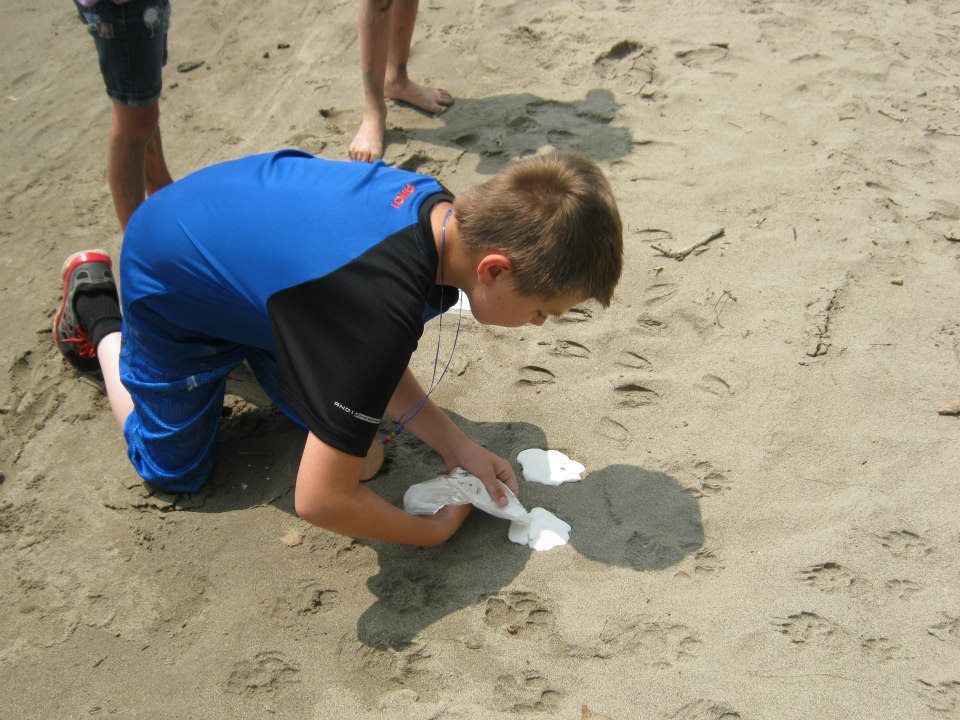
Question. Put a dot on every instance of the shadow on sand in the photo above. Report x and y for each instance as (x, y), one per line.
(501, 128)
(622, 515)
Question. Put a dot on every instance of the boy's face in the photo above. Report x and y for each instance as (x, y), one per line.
(506, 307)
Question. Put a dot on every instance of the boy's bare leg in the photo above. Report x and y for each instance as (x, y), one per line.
(134, 142)
(397, 84)
(108, 352)
(373, 29)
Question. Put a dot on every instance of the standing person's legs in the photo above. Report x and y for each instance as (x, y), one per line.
(397, 84)
(385, 33)
(135, 163)
(373, 30)
(131, 41)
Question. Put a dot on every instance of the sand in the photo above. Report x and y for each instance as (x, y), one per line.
(770, 494)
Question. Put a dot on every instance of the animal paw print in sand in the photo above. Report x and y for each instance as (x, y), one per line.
(526, 691)
(948, 629)
(884, 649)
(809, 629)
(943, 697)
(643, 551)
(267, 672)
(705, 710)
(831, 577)
(902, 589)
(707, 560)
(409, 664)
(517, 613)
(656, 641)
(906, 544)
(310, 598)
(709, 480)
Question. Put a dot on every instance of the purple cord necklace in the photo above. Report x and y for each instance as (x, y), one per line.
(434, 381)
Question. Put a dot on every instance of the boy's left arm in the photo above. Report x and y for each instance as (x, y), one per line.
(436, 429)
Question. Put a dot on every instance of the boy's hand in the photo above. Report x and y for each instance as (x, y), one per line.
(487, 466)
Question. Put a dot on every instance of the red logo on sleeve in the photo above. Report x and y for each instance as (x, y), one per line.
(402, 196)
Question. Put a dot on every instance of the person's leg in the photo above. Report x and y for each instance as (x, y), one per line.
(135, 161)
(373, 30)
(397, 84)
(108, 353)
(155, 164)
(131, 42)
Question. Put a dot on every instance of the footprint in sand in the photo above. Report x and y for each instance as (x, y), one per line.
(809, 629)
(569, 348)
(659, 293)
(632, 61)
(524, 691)
(705, 710)
(715, 385)
(947, 630)
(517, 612)
(905, 544)
(536, 375)
(310, 598)
(943, 697)
(650, 325)
(703, 56)
(652, 640)
(883, 649)
(831, 577)
(267, 672)
(634, 395)
(633, 359)
(613, 430)
(902, 589)
(576, 315)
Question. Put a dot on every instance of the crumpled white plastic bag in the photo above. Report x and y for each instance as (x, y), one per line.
(459, 487)
(539, 529)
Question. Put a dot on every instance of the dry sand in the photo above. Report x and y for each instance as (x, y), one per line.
(768, 526)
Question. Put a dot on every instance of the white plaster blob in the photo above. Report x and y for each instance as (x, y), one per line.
(539, 529)
(542, 531)
(549, 467)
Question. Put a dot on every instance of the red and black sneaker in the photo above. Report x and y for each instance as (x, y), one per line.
(87, 270)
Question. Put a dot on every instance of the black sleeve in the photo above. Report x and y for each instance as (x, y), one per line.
(343, 342)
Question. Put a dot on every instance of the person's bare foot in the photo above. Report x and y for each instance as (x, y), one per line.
(367, 144)
(372, 462)
(430, 99)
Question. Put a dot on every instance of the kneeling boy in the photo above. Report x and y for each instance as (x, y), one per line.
(320, 275)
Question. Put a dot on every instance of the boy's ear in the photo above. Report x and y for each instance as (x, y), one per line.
(492, 266)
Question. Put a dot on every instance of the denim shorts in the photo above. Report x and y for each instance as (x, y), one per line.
(131, 40)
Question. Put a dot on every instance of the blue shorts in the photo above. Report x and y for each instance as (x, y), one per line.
(131, 41)
(172, 431)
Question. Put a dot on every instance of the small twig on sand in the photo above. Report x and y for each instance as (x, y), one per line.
(724, 296)
(680, 255)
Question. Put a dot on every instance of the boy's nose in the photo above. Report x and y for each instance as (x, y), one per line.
(538, 320)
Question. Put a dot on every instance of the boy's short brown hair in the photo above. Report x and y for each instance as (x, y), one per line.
(556, 218)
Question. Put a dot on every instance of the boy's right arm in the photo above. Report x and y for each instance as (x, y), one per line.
(329, 494)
